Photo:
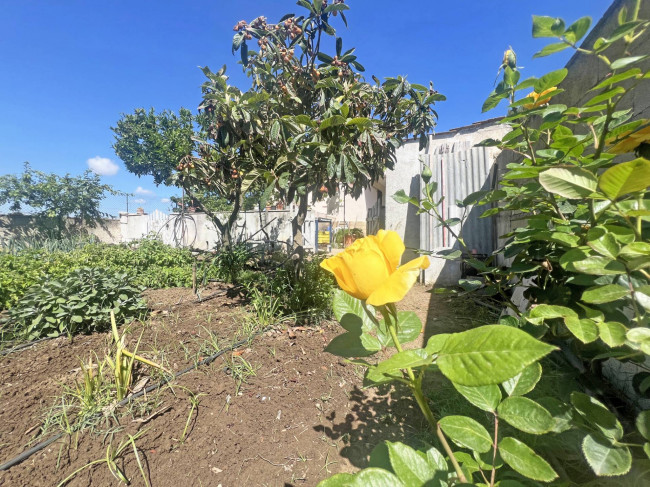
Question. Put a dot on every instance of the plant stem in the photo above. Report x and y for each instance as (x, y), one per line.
(494, 449)
(416, 386)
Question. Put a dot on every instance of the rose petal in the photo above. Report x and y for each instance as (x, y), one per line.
(399, 283)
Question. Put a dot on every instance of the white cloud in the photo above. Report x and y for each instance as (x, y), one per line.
(140, 201)
(144, 192)
(165, 200)
(102, 166)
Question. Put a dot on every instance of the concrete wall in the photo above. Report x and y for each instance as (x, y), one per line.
(345, 210)
(17, 225)
(197, 230)
(586, 71)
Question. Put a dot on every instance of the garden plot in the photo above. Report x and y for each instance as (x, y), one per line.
(278, 410)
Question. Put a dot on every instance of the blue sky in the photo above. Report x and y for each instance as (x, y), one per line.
(70, 68)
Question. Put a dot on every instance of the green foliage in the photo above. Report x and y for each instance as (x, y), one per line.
(149, 263)
(340, 234)
(231, 261)
(81, 302)
(582, 256)
(52, 198)
(319, 122)
(307, 296)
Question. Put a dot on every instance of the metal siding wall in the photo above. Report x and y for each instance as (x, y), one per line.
(458, 175)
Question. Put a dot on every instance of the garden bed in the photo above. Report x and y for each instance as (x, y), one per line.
(299, 418)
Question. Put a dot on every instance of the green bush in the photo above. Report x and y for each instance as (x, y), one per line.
(149, 262)
(307, 297)
(339, 236)
(80, 302)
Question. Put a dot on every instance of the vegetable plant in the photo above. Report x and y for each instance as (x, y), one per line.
(81, 302)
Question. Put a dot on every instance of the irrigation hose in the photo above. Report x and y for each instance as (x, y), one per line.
(23, 346)
(26, 454)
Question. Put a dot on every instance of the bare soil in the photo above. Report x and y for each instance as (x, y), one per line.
(300, 418)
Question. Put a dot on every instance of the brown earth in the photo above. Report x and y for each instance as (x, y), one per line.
(300, 418)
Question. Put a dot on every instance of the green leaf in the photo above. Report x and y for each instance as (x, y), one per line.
(603, 242)
(337, 480)
(627, 61)
(578, 29)
(562, 413)
(409, 328)
(550, 80)
(437, 460)
(551, 311)
(605, 459)
(643, 424)
(570, 182)
(375, 477)
(525, 415)
(547, 26)
(486, 398)
(403, 360)
(597, 415)
(343, 304)
(604, 294)
(612, 333)
(524, 460)
(624, 178)
(597, 265)
(466, 433)
(617, 78)
(584, 329)
(408, 465)
(489, 354)
(354, 343)
(551, 49)
(524, 382)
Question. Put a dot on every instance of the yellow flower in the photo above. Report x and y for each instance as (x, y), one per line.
(368, 269)
(536, 98)
(631, 141)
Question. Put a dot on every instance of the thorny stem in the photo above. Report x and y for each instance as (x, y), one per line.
(416, 386)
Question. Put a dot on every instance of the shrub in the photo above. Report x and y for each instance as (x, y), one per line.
(80, 302)
(149, 262)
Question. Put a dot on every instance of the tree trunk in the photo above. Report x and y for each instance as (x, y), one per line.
(298, 251)
(225, 228)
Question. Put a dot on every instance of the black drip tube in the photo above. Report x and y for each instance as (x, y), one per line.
(26, 454)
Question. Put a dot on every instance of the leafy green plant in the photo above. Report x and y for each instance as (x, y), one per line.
(580, 254)
(341, 234)
(81, 302)
(231, 261)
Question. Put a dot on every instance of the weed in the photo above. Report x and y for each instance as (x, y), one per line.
(122, 364)
(112, 454)
(240, 370)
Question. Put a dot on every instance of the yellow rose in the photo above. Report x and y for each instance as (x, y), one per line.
(536, 98)
(630, 141)
(368, 269)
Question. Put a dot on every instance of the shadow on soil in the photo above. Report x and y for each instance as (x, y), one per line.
(375, 416)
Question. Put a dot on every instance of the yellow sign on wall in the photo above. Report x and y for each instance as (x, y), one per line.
(323, 237)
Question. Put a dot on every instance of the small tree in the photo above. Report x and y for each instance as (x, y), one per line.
(327, 124)
(209, 154)
(54, 198)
